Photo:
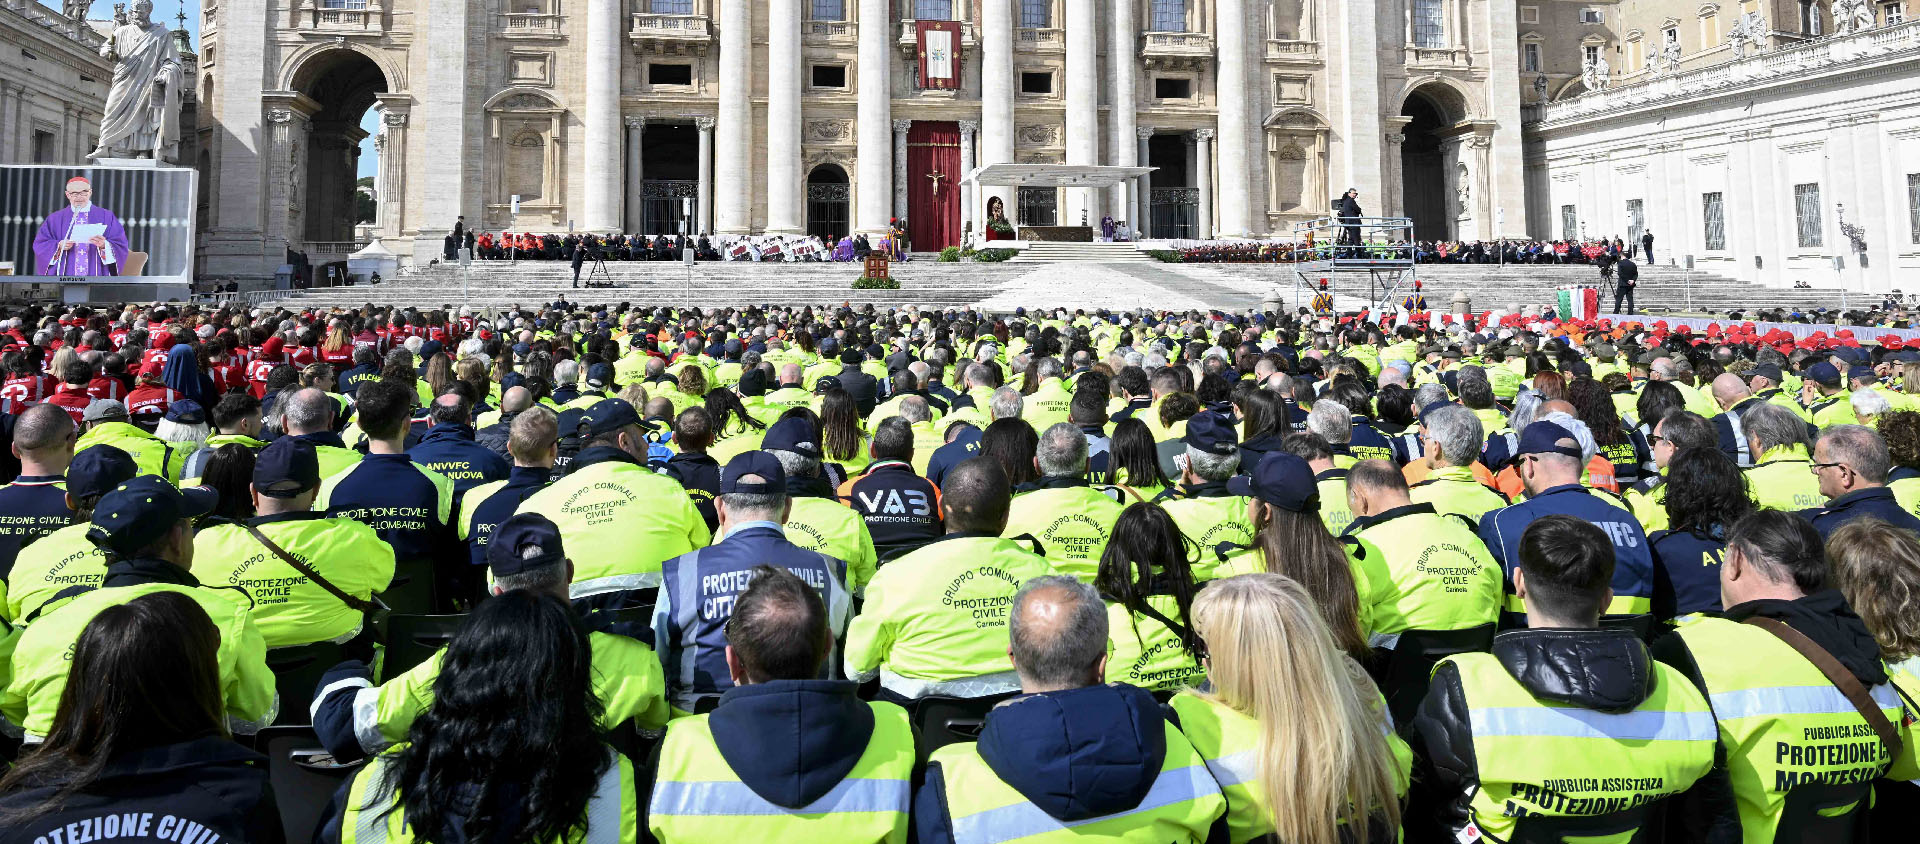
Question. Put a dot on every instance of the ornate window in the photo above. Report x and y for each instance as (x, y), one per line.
(1530, 57)
(1713, 216)
(1429, 19)
(933, 10)
(1810, 17)
(670, 7)
(829, 10)
(1168, 16)
(1036, 14)
(1806, 214)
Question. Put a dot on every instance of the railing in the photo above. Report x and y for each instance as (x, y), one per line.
(1824, 52)
(1280, 48)
(1040, 39)
(832, 31)
(343, 18)
(666, 29)
(326, 251)
(525, 24)
(908, 40)
(1179, 42)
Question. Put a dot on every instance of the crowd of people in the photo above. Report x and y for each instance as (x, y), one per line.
(859, 574)
(577, 248)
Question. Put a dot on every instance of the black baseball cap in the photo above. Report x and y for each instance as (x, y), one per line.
(773, 478)
(510, 541)
(137, 513)
(1211, 432)
(286, 468)
(1769, 371)
(1281, 479)
(98, 469)
(793, 434)
(610, 415)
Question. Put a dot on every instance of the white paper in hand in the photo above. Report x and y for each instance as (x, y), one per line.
(83, 232)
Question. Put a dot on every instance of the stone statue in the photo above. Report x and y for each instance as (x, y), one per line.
(1670, 52)
(142, 117)
(1594, 73)
(1851, 16)
(1750, 30)
(76, 9)
(1652, 64)
(1540, 87)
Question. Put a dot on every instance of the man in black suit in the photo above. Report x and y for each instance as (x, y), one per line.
(579, 257)
(1347, 207)
(864, 389)
(1626, 278)
(1646, 247)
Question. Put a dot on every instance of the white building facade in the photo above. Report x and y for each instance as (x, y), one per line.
(53, 85)
(786, 116)
(1796, 164)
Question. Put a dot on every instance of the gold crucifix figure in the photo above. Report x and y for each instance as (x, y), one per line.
(936, 176)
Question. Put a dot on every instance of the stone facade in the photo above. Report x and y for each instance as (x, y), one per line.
(773, 116)
(53, 84)
(1797, 163)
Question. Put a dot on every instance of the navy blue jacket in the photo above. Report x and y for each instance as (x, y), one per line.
(1074, 754)
(700, 475)
(1686, 571)
(1367, 443)
(1134, 408)
(1632, 561)
(792, 741)
(697, 591)
(350, 380)
(964, 445)
(452, 451)
(389, 493)
(1877, 502)
(168, 792)
(522, 483)
(31, 507)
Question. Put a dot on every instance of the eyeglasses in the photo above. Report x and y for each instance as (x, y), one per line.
(1656, 439)
(1816, 467)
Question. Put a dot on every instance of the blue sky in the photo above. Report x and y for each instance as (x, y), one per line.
(166, 12)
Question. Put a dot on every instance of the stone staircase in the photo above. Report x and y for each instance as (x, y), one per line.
(1040, 251)
(1002, 286)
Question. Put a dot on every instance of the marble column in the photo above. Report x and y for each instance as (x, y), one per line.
(996, 100)
(967, 128)
(1143, 213)
(1233, 86)
(703, 212)
(1392, 201)
(873, 113)
(1083, 106)
(1203, 171)
(900, 128)
(636, 185)
(601, 120)
(733, 214)
(1123, 71)
(784, 213)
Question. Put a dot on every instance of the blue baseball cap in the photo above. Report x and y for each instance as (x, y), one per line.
(137, 513)
(1862, 373)
(610, 415)
(1548, 438)
(1281, 479)
(508, 546)
(793, 434)
(600, 375)
(766, 466)
(186, 412)
(98, 469)
(1824, 373)
(1212, 433)
(286, 468)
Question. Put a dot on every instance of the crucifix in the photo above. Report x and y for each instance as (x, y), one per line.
(936, 176)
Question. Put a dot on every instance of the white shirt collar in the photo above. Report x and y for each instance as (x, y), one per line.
(82, 209)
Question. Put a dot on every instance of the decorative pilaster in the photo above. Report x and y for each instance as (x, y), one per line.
(636, 134)
(967, 204)
(703, 216)
(1203, 178)
(900, 128)
(1143, 215)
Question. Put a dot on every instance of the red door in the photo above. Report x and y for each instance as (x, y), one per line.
(933, 185)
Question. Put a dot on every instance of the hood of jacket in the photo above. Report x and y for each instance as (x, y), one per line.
(1602, 670)
(792, 741)
(1079, 753)
(448, 433)
(1825, 617)
(320, 438)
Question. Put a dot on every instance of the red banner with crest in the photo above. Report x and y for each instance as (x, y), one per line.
(938, 43)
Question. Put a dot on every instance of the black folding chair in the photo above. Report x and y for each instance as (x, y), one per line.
(413, 639)
(412, 589)
(304, 778)
(939, 720)
(1409, 666)
(296, 674)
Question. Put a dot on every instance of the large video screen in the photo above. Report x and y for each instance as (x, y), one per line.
(143, 216)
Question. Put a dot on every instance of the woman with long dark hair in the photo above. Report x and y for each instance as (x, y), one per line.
(141, 728)
(1146, 578)
(1657, 398)
(230, 472)
(1133, 460)
(734, 429)
(1290, 538)
(1012, 443)
(510, 749)
(1706, 493)
(842, 439)
(1624, 447)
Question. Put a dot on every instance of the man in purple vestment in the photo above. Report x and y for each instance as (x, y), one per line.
(56, 249)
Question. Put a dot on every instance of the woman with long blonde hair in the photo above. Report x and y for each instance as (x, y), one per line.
(1293, 729)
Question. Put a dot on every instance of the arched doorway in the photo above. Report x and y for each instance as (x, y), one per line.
(1423, 173)
(322, 187)
(827, 196)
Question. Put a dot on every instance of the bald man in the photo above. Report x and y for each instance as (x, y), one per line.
(450, 449)
(1735, 398)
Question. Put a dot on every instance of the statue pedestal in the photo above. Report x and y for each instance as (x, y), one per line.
(126, 162)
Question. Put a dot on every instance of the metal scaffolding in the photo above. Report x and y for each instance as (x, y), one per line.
(1381, 247)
